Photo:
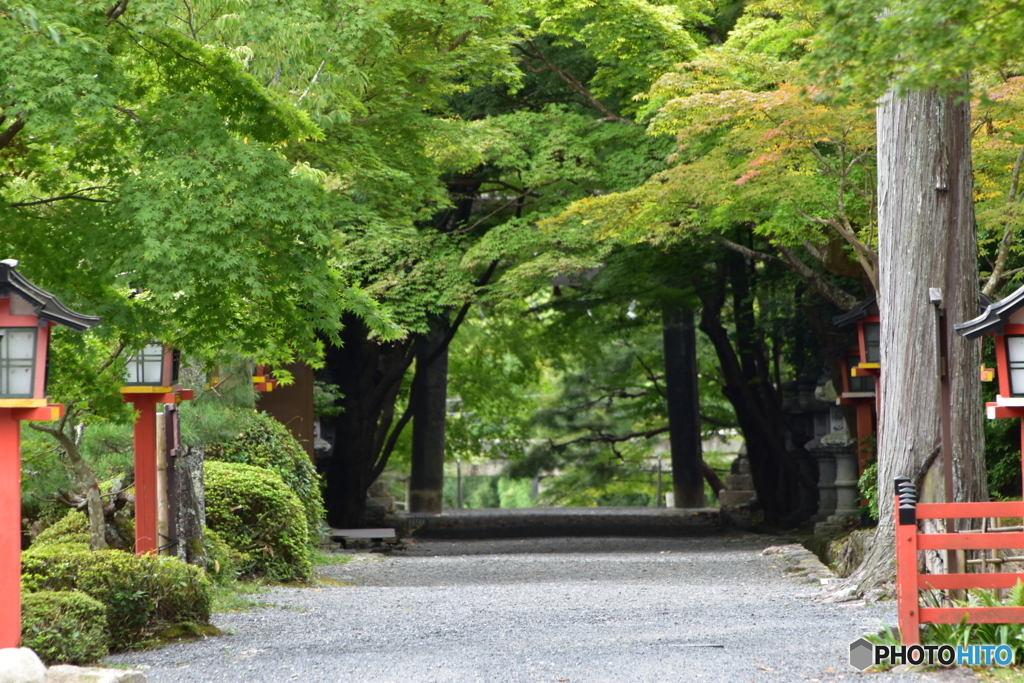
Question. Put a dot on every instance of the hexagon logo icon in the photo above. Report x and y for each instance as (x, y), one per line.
(861, 654)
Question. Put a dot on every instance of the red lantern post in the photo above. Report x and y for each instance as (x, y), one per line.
(151, 378)
(26, 315)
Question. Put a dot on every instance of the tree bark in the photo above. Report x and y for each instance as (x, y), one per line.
(926, 240)
(369, 376)
(748, 387)
(84, 477)
(679, 336)
(429, 405)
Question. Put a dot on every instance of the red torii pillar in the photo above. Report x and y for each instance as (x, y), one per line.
(10, 513)
(144, 402)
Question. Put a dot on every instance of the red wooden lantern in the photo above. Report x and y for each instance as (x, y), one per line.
(1004, 320)
(151, 377)
(861, 365)
(262, 381)
(26, 315)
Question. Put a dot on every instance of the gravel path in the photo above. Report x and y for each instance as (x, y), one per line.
(537, 610)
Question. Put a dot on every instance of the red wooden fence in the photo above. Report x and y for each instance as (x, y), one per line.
(909, 583)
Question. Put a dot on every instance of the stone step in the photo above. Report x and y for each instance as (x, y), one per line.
(739, 482)
(735, 498)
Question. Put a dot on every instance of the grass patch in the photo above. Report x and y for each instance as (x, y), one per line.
(322, 559)
(322, 580)
(179, 633)
(1011, 674)
(237, 597)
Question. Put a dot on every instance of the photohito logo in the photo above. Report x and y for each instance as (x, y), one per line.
(863, 654)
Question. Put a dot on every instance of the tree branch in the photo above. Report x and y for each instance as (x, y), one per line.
(71, 195)
(312, 82)
(867, 258)
(106, 364)
(389, 446)
(570, 80)
(998, 270)
(820, 284)
(11, 131)
(116, 10)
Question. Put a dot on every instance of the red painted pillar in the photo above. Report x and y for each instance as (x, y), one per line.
(907, 597)
(864, 430)
(146, 538)
(10, 529)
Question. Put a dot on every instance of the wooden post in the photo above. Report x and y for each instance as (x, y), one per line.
(908, 607)
(162, 521)
(10, 529)
(10, 515)
(146, 535)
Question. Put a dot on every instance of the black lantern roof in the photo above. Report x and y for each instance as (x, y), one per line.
(857, 313)
(47, 306)
(994, 316)
(864, 309)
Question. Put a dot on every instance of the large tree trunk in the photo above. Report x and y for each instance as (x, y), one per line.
(369, 375)
(926, 240)
(748, 387)
(680, 343)
(429, 400)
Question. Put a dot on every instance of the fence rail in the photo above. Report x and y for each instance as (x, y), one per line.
(910, 540)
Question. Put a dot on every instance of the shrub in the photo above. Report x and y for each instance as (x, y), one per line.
(71, 530)
(65, 627)
(141, 594)
(223, 563)
(261, 518)
(267, 443)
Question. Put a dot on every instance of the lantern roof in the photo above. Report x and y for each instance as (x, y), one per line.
(857, 313)
(47, 306)
(994, 316)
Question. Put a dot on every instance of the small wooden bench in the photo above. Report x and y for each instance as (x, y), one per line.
(375, 535)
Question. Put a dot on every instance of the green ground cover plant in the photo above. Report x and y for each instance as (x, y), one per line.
(968, 634)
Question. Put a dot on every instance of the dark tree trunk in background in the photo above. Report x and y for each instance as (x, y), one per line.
(429, 410)
(680, 341)
(369, 375)
(748, 387)
(926, 239)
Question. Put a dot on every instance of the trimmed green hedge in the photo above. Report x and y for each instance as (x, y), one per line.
(65, 627)
(141, 594)
(261, 518)
(267, 443)
(72, 530)
(223, 563)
